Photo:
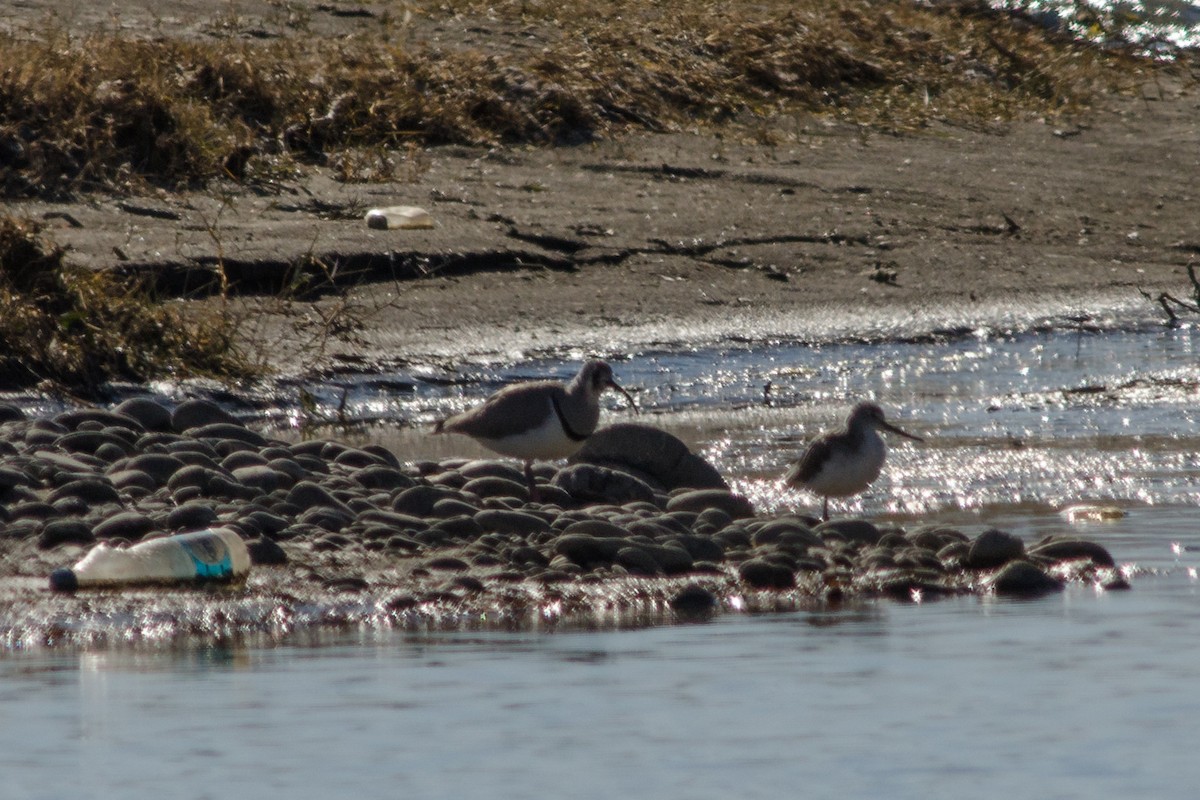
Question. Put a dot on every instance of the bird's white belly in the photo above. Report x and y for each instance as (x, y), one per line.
(850, 472)
(546, 442)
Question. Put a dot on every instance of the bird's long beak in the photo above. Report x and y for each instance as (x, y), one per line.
(887, 426)
(628, 396)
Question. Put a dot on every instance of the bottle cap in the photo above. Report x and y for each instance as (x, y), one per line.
(63, 580)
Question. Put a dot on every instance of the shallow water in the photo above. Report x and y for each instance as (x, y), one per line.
(1040, 420)
(1082, 694)
(1076, 695)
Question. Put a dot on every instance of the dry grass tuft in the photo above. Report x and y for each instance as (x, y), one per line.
(102, 112)
(78, 328)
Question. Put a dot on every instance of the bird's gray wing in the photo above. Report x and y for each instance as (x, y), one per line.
(809, 464)
(510, 411)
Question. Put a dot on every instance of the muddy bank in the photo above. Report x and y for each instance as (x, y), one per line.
(832, 232)
(633, 530)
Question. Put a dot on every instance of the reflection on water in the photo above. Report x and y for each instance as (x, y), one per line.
(1078, 695)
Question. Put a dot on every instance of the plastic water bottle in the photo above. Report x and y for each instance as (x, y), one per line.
(216, 554)
(395, 217)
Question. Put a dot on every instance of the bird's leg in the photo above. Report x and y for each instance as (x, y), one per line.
(825, 510)
(534, 495)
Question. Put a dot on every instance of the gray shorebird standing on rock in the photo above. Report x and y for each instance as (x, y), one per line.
(538, 420)
(845, 462)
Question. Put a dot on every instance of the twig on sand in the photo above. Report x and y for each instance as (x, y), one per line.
(1170, 302)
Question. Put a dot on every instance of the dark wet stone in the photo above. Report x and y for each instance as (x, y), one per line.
(158, 442)
(645, 450)
(10, 413)
(208, 482)
(327, 518)
(717, 518)
(330, 449)
(150, 414)
(392, 519)
(461, 527)
(399, 542)
(72, 506)
(592, 483)
(671, 560)
(191, 517)
(77, 417)
(693, 600)
(588, 551)
(528, 555)
(1072, 550)
(935, 537)
(517, 522)
(857, 531)
(266, 522)
(919, 557)
(491, 486)
(21, 529)
(787, 530)
(10, 477)
(95, 491)
(307, 494)
(762, 574)
(195, 458)
(110, 452)
(697, 501)
(198, 413)
(448, 563)
(65, 531)
(387, 457)
(992, 548)
(491, 469)
(700, 548)
(243, 458)
(733, 537)
(312, 465)
(452, 507)
(330, 542)
(289, 467)
(231, 431)
(1020, 578)
(91, 441)
(551, 495)
(263, 478)
(382, 476)
(637, 561)
(130, 525)
(266, 552)
(468, 583)
(954, 554)
(417, 500)
(597, 527)
(128, 479)
(358, 459)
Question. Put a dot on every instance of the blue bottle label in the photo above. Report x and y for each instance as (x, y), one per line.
(210, 556)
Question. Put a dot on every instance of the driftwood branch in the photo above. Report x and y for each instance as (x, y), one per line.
(1171, 304)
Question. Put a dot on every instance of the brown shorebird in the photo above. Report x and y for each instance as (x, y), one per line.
(845, 462)
(538, 420)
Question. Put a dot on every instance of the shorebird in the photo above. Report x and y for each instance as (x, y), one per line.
(845, 462)
(538, 420)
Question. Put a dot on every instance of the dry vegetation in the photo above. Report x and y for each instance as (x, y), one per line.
(115, 113)
(96, 113)
(79, 329)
